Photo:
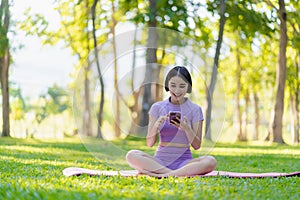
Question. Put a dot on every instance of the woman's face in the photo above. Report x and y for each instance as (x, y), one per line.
(178, 89)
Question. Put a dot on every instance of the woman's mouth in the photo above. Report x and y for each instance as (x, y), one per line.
(177, 95)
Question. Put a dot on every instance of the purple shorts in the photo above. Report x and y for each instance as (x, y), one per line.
(173, 157)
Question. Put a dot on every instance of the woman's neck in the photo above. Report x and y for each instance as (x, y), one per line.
(175, 102)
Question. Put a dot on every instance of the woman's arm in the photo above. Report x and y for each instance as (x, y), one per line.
(197, 127)
(194, 132)
(153, 129)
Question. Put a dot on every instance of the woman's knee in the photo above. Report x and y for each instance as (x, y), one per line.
(211, 161)
(132, 155)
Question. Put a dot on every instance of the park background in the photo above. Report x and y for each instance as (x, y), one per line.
(245, 61)
(246, 49)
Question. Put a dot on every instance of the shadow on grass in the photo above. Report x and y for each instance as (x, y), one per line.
(95, 153)
(32, 169)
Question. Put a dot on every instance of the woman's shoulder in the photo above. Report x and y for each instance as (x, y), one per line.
(192, 104)
(196, 111)
(157, 107)
(161, 103)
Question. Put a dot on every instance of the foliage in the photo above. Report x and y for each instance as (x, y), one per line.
(55, 101)
(18, 106)
(32, 169)
(4, 26)
(58, 100)
(17, 109)
(251, 31)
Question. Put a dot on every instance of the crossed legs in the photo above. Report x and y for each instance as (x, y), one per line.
(146, 164)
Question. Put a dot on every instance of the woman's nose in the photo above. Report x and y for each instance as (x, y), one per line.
(177, 91)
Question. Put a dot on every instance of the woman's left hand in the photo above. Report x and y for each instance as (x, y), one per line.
(182, 124)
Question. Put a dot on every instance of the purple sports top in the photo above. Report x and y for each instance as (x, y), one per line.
(174, 157)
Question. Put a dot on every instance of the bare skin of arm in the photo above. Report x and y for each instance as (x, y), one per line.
(143, 162)
(194, 132)
(153, 129)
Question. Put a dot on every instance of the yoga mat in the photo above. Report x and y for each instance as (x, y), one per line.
(75, 171)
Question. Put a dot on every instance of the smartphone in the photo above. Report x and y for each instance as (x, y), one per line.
(174, 116)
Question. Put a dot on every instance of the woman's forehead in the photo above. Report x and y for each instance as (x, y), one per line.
(177, 79)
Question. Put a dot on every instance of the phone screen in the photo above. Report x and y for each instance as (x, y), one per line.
(174, 116)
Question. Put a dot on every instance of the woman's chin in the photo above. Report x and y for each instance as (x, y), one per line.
(178, 99)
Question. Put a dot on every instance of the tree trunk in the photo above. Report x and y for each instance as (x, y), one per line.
(151, 62)
(276, 121)
(4, 66)
(209, 93)
(134, 109)
(117, 93)
(87, 118)
(294, 104)
(134, 113)
(256, 116)
(101, 104)
(238, 93)
(295, 118)
(4, 62)
(297, 139)
(246, 120)
(159, 78)
(87, 125)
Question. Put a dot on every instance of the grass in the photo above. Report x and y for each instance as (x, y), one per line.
(32, 169)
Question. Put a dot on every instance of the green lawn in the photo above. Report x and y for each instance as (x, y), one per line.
(32, 169)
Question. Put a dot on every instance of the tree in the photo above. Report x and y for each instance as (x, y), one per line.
(75, 33)
(57, 100)
(293, 69)
(211, 87)
(241, 135)
(171, 15)
(17, 109)
(276, 118)
(97, 60)
(4, 64)
(248, 24)
(54, 102)
(18, 106)
(116, 79)
(293, 87)
(151, 62)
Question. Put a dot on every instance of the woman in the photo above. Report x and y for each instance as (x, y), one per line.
(173, 156)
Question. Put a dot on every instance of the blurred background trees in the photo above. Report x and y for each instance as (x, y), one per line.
(251, 48)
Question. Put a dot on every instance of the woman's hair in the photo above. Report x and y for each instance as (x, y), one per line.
(181, 72)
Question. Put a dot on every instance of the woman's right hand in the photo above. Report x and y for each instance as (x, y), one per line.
(153, 128)
(160, 121)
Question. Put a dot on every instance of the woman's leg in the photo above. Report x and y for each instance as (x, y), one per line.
(197, 166)
(145, 163)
